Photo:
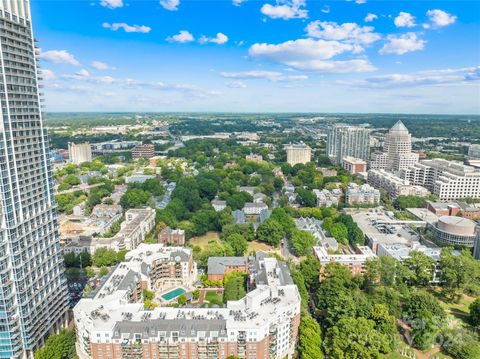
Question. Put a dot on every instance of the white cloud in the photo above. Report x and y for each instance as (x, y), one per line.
(285, 9)
(83, 73)
(404, 19)
(171, 5)
(348, 32)
(59, 56)
(421, 78)
(47, 75)
(360, 2)
(236, 84)
(183, 36)
(370, 17)
(310, 55)
(325, 9)
(101, 66)
(238, 2)
(219, 39)
(402, 44)
(439, 18)
(112, 4)
(127, 28)
(267, 75)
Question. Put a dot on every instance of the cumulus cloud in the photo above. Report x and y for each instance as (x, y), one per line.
(325, 9)
(47, 75)
(59, 56)
(127, 28)
(285, 9)
(401, 44)
(101, 66)
(370, 17)
(439, 18)
(310, 55)
(404, 19)
(351, 33)
(421, 78)
(171, 5)
(219, 39)
(267, 75)
(183, 36)
(111, 4)
(360, 2)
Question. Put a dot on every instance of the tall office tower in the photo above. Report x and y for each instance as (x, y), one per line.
(33, 292)
(397, 150)
(343, 141)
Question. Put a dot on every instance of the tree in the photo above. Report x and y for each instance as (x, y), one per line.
(340, 232)
(310, 269)
(238, 243)
(245, 230)
(458, 271)
(58, 346)
(461, 343)
(285, 220)
(187, 190)
(238, 200)
(302, 242)
(89, 272)
(71, 180)
(355, 338)
(135, 198)
(278, 184)
(103, 272)
(475, 312)
(306, 198)
(404, 202)
(270, 232)
(309, 338)
(201, 223)
(104, 257)
(421, 267)
(385, 323)
(234, 287)
(70, 260)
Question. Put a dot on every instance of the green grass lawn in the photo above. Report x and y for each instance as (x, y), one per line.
(214, 298)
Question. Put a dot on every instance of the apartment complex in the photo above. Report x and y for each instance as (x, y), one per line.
(298, 153)
(394, 185)
(34, 300)
(343, 141)
(254, 157)
(143, 151)
(397, 150)
(356, 262)
(112, 323)
(474, 151)
(454, 208)
(364, 194)
(79, 153)
(354, 165)
(449, 180)
(328, 198)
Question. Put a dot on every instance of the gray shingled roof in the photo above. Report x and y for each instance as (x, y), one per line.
(216, 265)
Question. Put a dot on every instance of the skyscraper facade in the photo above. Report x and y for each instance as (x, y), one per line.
(344, 141)
(33, 292)
(397, 152)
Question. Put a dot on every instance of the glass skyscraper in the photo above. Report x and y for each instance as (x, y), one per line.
(33, 291)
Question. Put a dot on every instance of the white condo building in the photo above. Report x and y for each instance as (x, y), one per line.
(447, 179)
(344, 140)
(397, 150)
(34, 300)
(298, 153)
(394, 185)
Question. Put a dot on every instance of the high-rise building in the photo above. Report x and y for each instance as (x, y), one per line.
(79, 153)
(298, 153)
(33, 289)
(474, 151)
(143, 151)
(397, 150)
(344, 140)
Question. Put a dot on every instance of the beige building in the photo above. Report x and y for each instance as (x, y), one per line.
(394, 185)
(143, 151)
(79, 153)
(298, 153)
(364, 194)
(397, 150)
(354, 165)
(254, 157)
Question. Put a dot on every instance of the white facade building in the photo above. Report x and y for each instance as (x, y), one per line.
(326, 198)
(394, 185)
(79, 153)
(344, 140)
(447, 179)
(364, 194)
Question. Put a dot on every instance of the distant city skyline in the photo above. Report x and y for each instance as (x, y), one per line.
(260, 56)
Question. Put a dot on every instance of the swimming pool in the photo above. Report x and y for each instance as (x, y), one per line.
(173, 293)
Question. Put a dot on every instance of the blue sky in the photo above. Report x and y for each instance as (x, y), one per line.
(260, 56)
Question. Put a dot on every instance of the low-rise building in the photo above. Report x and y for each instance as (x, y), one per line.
(394, 185)
(314, 227)
(218, 204)
(138, 178)
(144, 151)
(254, 208)
(454, 231)
(259, 197)
(247, 189)
(354, 165)
(219, 267)
(356, 262)
(364, 194)
(173, 237)
(254, 157)
(326, 198)
(106, 210)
